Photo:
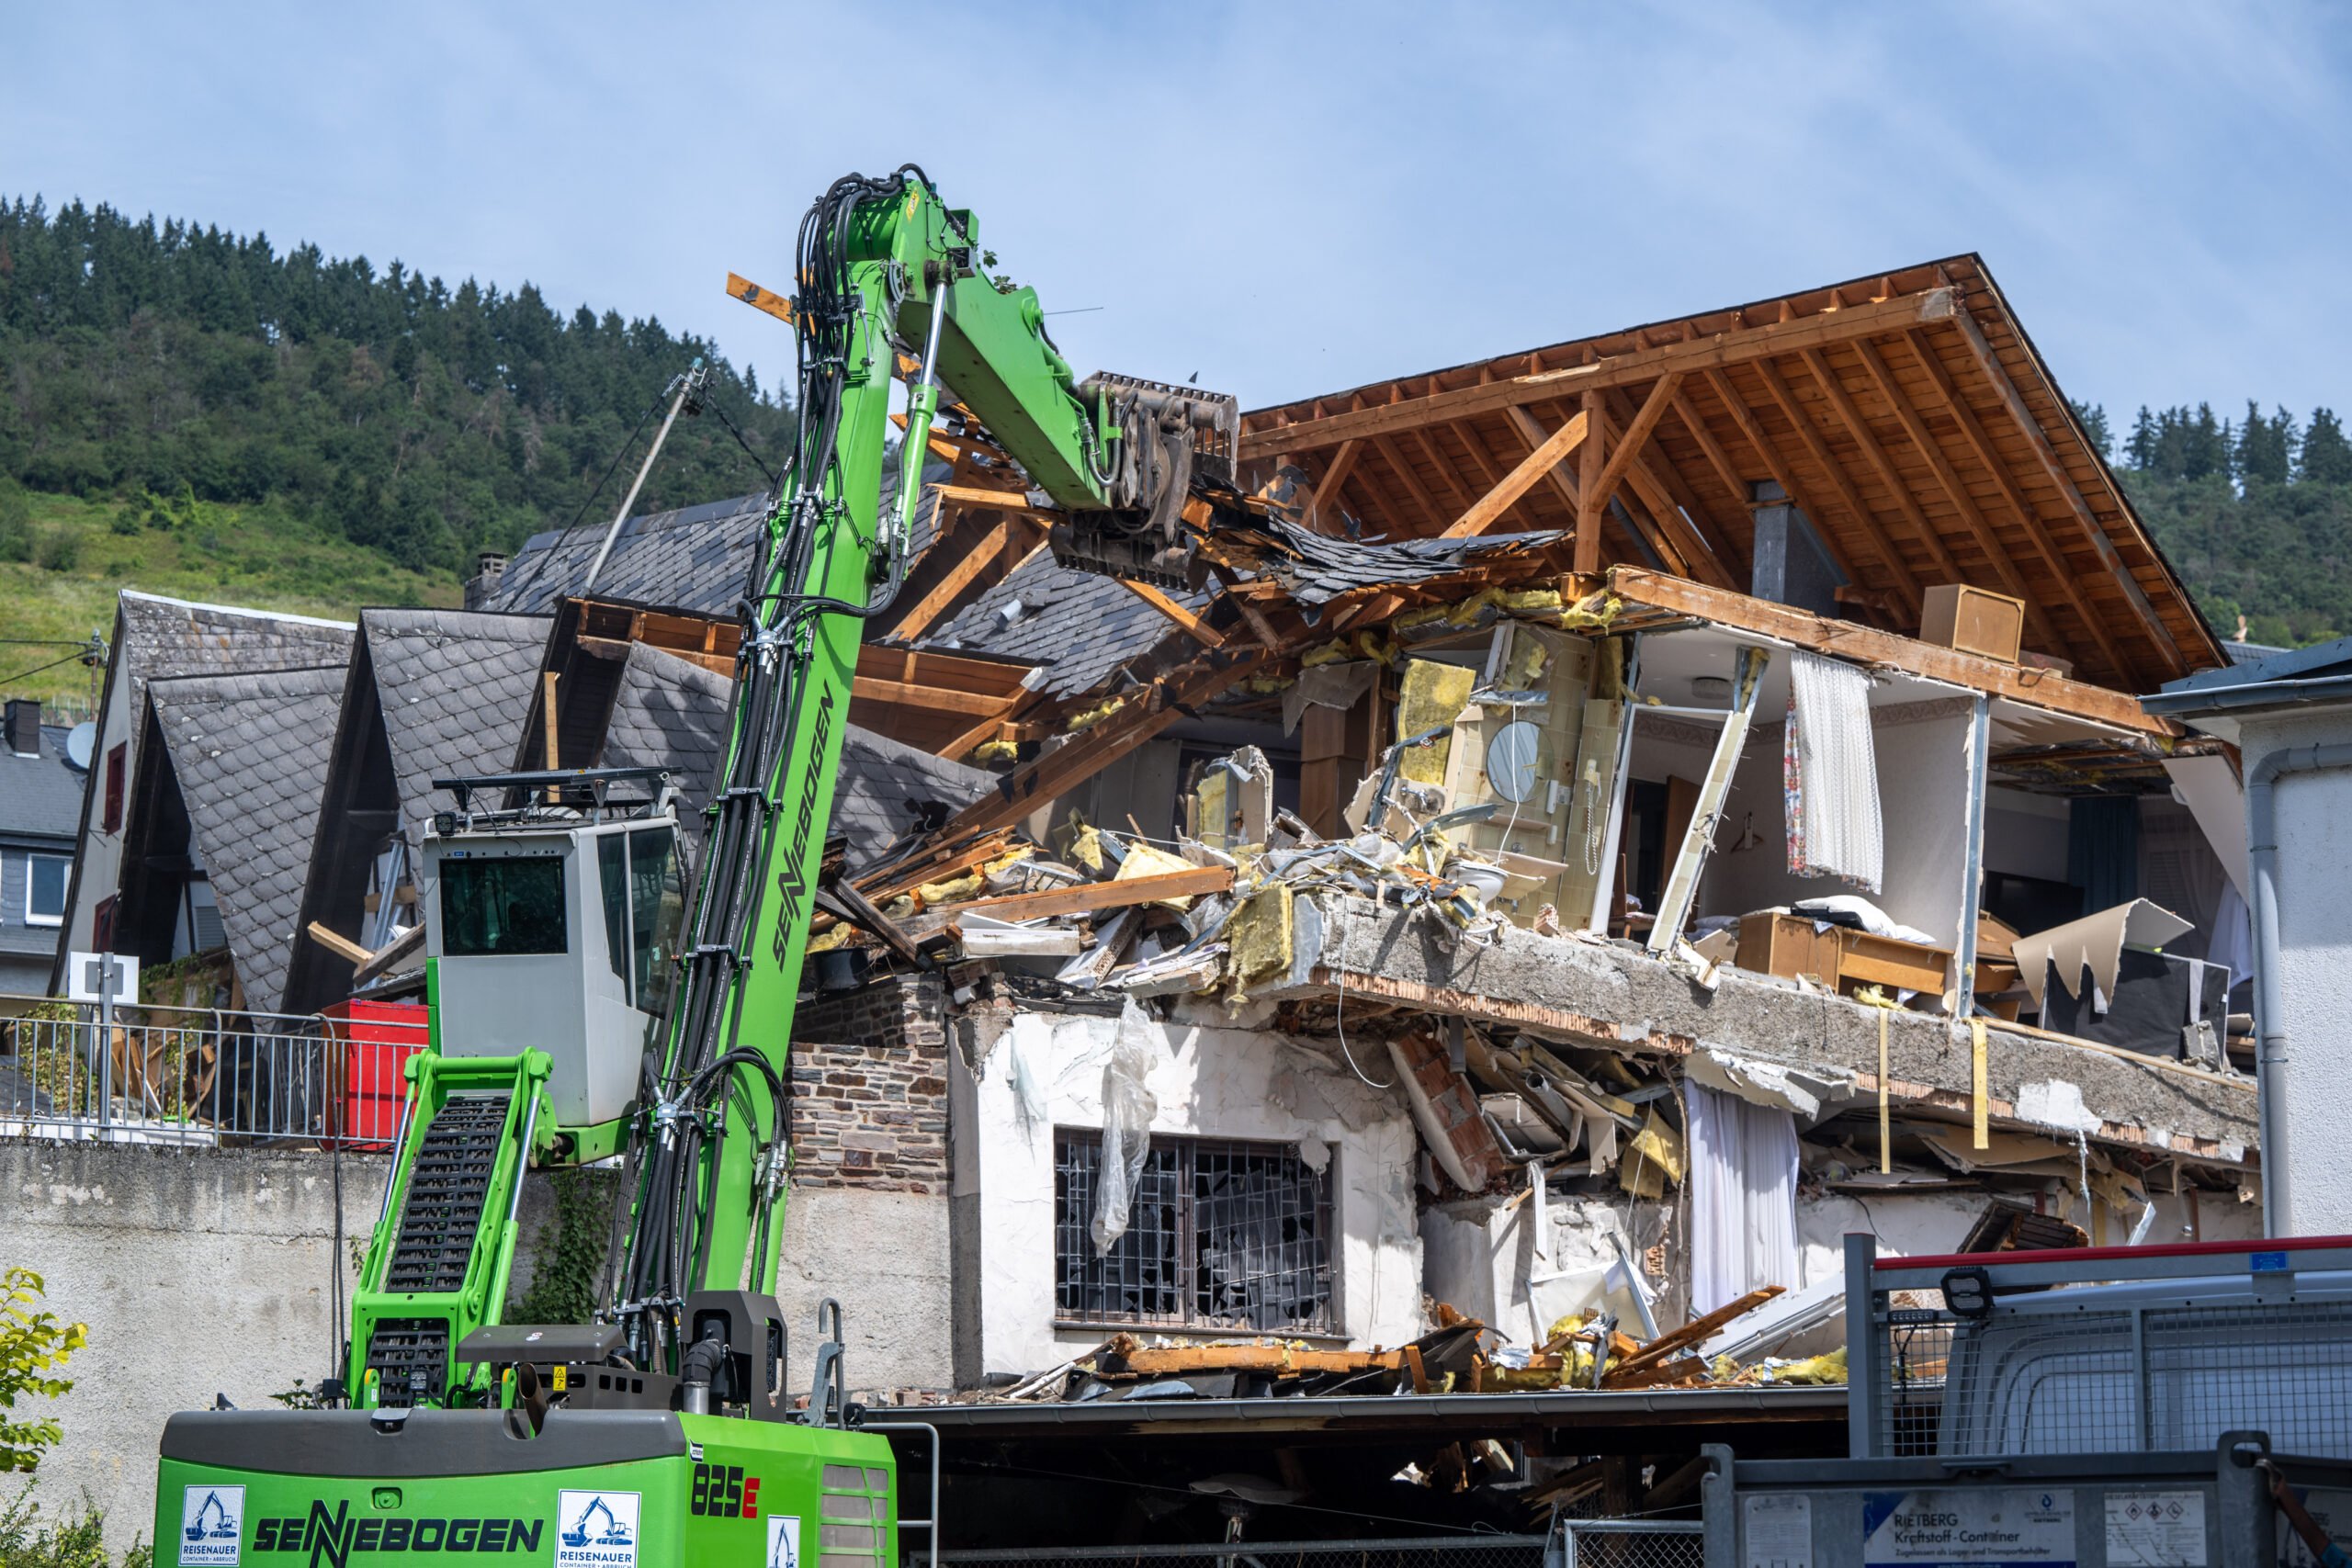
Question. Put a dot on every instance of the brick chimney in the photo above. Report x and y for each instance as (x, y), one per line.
(24, 726)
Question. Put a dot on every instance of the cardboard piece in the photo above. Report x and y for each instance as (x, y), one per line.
(2095, 942)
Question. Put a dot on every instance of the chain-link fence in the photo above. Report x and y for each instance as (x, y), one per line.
(1630, 1544)
(1439, 1552)
(181, 1075)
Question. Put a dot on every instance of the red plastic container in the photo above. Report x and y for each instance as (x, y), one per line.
(377, 1038)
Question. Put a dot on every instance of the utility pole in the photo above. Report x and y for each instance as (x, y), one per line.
(686, 393)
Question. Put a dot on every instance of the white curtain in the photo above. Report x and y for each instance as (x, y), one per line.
(1742, 1178)
(1830, 773)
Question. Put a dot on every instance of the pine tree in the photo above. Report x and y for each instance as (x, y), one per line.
(2265, 447)
(2326, 454)
(2205, 448)
(2093, 419)
(2140, 450)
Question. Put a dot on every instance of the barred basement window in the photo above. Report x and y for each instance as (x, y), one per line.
(1222, 1234)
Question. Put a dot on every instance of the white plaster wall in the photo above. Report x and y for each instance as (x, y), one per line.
(1210, 1082)
(99, 856)
(2025, 834)
(2314, 823)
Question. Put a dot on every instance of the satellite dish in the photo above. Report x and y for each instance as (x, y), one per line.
(1510, 760)
(81, 744)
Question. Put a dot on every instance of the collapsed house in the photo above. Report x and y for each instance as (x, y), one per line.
(1591, 829)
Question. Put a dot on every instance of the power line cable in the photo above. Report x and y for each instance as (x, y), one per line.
(24, 674)
(514, 594)
(712, 404)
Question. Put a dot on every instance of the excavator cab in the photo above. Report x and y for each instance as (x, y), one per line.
(554, 924)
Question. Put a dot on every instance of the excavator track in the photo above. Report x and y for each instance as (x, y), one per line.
(442, 1215)
(440, 1222)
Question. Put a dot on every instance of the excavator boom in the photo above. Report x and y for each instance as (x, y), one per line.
(583, 1007)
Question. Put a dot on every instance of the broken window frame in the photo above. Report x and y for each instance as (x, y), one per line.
(1160, 1257)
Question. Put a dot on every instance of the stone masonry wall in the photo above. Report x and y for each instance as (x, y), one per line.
(869, 1088)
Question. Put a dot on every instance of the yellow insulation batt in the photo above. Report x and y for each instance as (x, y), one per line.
(1434, 694)
(1257, 937)
(1144, 861)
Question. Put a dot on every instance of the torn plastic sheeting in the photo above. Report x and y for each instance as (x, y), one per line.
(1799, 1089)
(2093, 942)
(1128, 1108)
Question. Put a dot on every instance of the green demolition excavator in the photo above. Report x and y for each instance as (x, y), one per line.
(581, 1009)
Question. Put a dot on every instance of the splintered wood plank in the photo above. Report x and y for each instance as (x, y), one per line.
(758, 298)
(1095, 896)
(1199, 630)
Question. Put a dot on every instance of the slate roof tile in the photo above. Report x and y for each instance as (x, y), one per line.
(250, 753)
(671, 713)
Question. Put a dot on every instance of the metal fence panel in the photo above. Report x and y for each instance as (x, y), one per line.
(1633, 1543)
(2164, 1352)
(181, 1077)
(1437, 1552)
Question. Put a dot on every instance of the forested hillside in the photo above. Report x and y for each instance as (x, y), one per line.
(2256, 513)
(171, 367)
(294, 424)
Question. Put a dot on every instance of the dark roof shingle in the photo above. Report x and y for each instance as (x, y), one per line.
(455, 686)
(671, 713)
(696, 558)
(250, 753)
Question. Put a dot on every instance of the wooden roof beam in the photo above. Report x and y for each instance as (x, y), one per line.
(1775, 464)
(1727, 471)
(1980, 440)
(1675, 509)
(1558, 476)
(1865, 525)
(1403, 469)
(1327, 489)
(1735, 346)
(1955, 490)
(1483, 514)
(1857, 425)
(1199, 630)
(1051, 775)
(1990, 364)
(1002, 538)
(2042, 689)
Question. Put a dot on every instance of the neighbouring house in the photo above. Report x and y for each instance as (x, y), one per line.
(157, 638)
(429, 694)
(41, 795)
(2277, 806)
(231, 768)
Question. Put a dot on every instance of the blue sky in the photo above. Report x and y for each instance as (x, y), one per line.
(1286, 200)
